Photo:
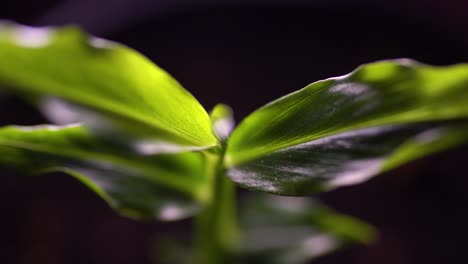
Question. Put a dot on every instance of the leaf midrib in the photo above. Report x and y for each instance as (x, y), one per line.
(262, 151)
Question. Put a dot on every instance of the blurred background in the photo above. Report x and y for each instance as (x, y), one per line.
(245, 54)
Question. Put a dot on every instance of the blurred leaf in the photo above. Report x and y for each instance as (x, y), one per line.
(76, 77)
(172, 248)
(295, 230)
(222, 121)
(165, 186)
(278, 230)
(342, 131)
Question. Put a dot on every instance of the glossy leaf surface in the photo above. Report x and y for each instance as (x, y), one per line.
(295, 230)
(166, 186)
(110, 87)
(344, 130)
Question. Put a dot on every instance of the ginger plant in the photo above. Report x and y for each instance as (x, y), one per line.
(130, 132)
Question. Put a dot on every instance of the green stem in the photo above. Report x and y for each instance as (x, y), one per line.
(216, 230)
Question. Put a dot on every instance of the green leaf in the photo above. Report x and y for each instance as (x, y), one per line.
(165, 186)
(108, 86)
(295, 230)
(344, 130)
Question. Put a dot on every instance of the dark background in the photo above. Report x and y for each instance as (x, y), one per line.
(246, 53)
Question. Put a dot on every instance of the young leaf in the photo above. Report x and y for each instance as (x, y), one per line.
(222, 121)
(343, 130)
(165, 186)
(102, 83)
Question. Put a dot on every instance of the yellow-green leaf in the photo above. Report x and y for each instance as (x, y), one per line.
(106, 85)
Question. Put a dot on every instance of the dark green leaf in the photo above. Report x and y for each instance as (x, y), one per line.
(278, 230)
(76, 77)
(295, 230)
(343, 130)
(165, 186)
